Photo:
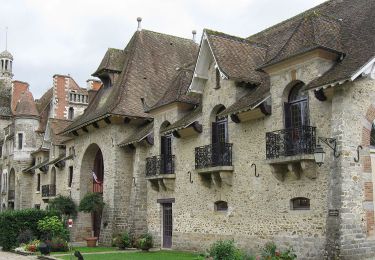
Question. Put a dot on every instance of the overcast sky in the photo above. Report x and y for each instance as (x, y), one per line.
(48, 37)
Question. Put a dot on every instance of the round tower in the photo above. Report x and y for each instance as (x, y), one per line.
(6, 63)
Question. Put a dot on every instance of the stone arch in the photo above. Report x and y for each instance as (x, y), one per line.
(365, 161)
(89, 157)
(289, 87)
(165, 124)
(216, 110)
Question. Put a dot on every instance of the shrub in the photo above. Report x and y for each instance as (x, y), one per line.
(25, 236)
(91, 202)
(13, 222)
(58, 244)
(270, 251)
(64, 205)
(33, 245)
(52, 227)
(122, 241)
(145, 241)
(225, 250)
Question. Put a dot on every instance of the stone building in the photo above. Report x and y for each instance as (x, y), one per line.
(195, 143)
(34, 159)
(199, 143)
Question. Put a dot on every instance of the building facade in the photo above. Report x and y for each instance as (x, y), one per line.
(221, 140)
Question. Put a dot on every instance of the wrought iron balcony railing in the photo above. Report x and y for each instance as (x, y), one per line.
(291, 141)
(52, 190)
(162, 164)
(218, 154)
(45, 191)
(11, 194)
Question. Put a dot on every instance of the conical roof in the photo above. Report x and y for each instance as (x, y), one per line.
(6, 54)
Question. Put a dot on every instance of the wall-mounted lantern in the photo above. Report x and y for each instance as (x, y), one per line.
(319, 154)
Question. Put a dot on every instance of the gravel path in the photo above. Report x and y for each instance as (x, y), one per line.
(12, 256)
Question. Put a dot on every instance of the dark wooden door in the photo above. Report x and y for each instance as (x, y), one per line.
(167, 225)
(219, 140)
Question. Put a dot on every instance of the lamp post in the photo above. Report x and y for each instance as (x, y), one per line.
(319, 155)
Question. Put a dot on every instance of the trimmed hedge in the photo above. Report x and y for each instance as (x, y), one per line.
(13, 222)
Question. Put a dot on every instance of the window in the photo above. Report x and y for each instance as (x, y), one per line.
(372, 135)
(221, 205)
(20, 140)
(70, 180)
(300, 203)
(38, 182)
(71, 113)
(296, 110)
(166, 153)
(37, 206)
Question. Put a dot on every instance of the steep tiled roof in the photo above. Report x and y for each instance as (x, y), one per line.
(248, 102)
(5, 100)
(356, 36)
(26, 105)
(149, 67)
(139, 134)
(313, 31)
(237, 57)
(113, 61)
(176, 92)
(184, 121)
(43, 105)
(57, 126)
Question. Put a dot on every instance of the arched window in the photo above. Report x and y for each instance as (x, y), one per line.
(71, 113)
(296, 110)
(220, 128)
(221, 205)
(300, 203)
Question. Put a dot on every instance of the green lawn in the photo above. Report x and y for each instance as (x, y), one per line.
(86, 249)
(160, 255)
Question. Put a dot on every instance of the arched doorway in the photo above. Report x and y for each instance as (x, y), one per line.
(97, 181)
(92, 180)
(11, 189)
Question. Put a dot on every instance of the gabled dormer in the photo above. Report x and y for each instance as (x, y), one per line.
(111, 66)
(234, 59)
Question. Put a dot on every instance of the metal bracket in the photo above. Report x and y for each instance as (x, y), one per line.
(331, 143)
(255, 170)
(191, 181)
(358, 147)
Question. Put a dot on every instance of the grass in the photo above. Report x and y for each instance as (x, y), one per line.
(123, 255)
(85, 249)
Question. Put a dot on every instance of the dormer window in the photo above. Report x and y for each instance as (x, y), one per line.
(71, 113)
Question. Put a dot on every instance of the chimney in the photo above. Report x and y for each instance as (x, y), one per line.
(194, 32)
(92, 88)
(139, 20)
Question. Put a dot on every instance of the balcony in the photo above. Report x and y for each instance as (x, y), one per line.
(11, 194)
(160, 171)
(215, 161)
(291, 150)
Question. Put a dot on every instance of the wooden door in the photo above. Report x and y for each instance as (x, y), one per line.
(167, 225)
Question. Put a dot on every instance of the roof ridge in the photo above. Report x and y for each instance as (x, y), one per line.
(234, 38)
(166, 34)
(289, 19)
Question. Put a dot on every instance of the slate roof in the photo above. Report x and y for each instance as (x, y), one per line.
(26, 105)
(184, 121)
(356, 38)
(237, 57)
(57, 126)
(113, 61)
(139, 134)
(177, 91)
(5, 100)
(150, 63)
(43, 105)
(248, 102)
